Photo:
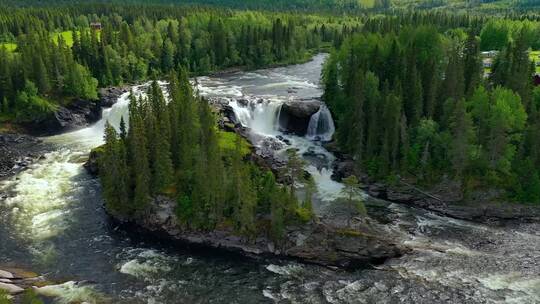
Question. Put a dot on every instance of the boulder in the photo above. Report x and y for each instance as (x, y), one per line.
(343, 169)
(92, 165)
(11, 288)
(109, 96)
(6, 274)
(295, 115)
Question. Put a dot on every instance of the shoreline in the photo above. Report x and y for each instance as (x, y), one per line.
(317, 242)
(444, 198)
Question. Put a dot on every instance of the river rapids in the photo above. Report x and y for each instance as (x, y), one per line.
(52, 221)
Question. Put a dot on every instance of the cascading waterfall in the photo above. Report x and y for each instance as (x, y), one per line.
(261, 116)
(321, 125)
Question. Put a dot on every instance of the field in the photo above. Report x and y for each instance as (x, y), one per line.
(10, 47)
(535, 56)
(227, 142)
(66, 35)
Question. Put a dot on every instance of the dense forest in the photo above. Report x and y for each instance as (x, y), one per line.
(332, 6)
(80, 52)
(174, 149)
(418, 103)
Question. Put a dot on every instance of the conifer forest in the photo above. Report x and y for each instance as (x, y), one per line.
(301, 151)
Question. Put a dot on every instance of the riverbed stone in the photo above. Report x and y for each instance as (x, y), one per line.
(6, 274)
(295, 115)
(11, 288)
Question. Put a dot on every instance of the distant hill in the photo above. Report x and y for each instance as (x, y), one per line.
(467, 4)
(340, 6)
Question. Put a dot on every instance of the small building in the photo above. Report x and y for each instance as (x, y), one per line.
(96, 26)
(489, 54)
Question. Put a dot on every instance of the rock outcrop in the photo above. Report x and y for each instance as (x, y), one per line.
(16, 281)
(78, 114)
(295, 115)
(109, 96)
(321, 242)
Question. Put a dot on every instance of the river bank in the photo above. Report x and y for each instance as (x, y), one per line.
(487, 206)
(21, 145)
(328, 242)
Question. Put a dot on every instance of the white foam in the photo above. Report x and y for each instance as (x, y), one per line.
(71, 292)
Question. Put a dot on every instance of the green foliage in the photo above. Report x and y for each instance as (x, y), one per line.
(80, 83)
(30, 297)
(212, 183)
(227, 142)
(30, 106)
(74, 59)
(415, 103)
(4, 297)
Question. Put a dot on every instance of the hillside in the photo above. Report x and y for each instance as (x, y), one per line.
(340, 6)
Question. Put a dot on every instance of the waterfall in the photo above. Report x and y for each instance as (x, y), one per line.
(261, 116)
(321, 125)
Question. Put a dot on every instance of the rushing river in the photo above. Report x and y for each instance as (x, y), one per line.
(52, 222)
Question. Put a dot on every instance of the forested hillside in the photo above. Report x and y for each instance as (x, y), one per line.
(416, 102)
(479, 6)
(326, 6)
(80, 51)
(330, 6)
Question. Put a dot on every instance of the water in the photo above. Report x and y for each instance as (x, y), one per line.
(52, 223)
(321, 125)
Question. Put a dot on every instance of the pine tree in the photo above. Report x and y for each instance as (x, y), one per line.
(123, 130)
(295, 169)
(472, 63)
(462, 132)
(139, 160)
(242, 194)
(162, 167)
(352, 192)
(40, 75)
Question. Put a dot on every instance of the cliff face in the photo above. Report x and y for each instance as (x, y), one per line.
(78, 114)
(324, 242)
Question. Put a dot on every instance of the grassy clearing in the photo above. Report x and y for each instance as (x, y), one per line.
(535, 56)
(66, 35)
(227, 142)
(10, 47)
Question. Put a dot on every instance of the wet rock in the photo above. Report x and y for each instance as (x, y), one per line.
(11, 288)
(295, 115)
(6, 274)
(268, 146)
(343, 169)
(18, 151)
(78, 114)
(91, 165)
(284, 140)
(314, 242)
(109, 96)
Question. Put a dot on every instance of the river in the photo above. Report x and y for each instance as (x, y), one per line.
(52, 222)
